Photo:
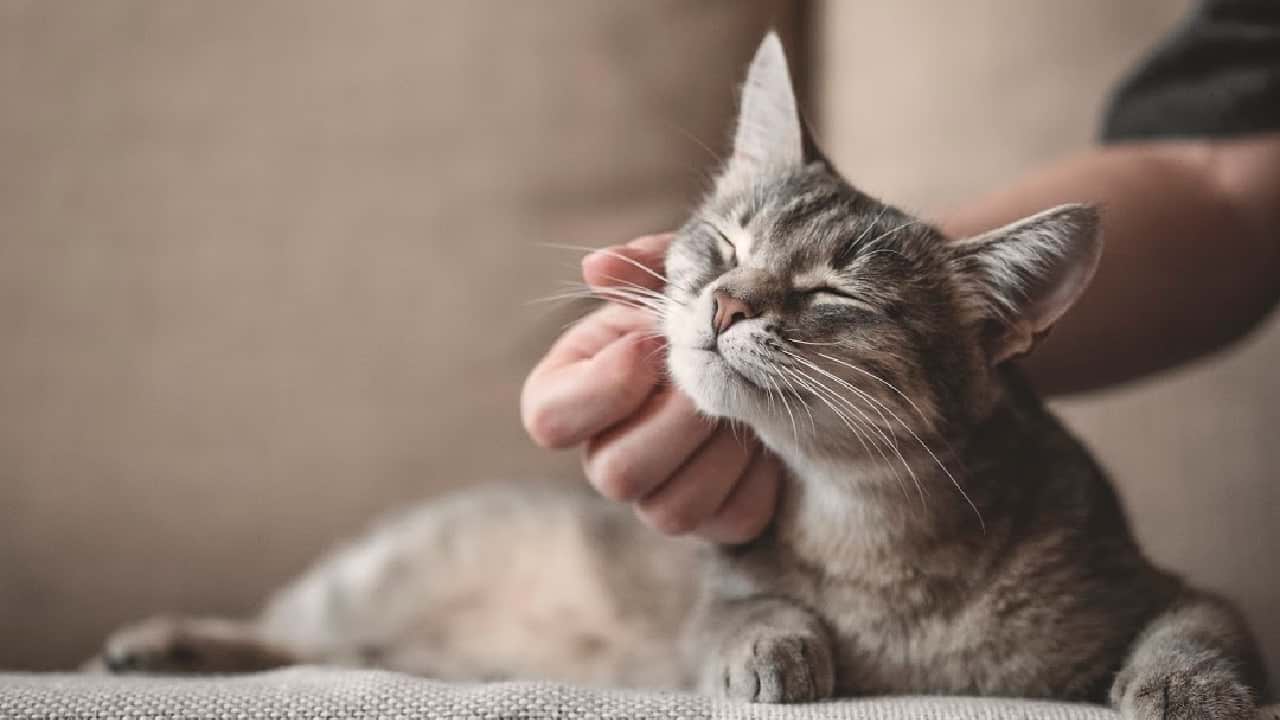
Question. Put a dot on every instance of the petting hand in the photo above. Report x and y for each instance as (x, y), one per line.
(602, 385)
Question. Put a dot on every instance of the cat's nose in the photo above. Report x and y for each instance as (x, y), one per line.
(727, 310)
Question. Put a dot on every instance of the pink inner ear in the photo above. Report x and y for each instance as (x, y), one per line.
(1037, 268)
(769, 134)
(1013, 344)
(1064, 285)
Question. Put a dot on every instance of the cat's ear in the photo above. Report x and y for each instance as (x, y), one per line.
(771, 137)
(1022, 277)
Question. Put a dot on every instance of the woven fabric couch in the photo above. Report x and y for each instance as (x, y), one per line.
(361, 695)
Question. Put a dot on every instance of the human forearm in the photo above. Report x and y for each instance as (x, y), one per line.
(1192, 259)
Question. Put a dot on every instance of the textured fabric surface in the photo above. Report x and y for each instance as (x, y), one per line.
(355, 695)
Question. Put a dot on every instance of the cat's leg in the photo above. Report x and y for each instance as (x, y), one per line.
(171, 645)
(1195, 660)
(761, 649)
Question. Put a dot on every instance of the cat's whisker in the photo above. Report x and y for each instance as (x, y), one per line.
(658, 306)
(884, 382)
(813, 426)
(862, 257)
(881, 409)
(913, 434)
(657, 301)
(583, 295)
(795, 433)
(882, 436)
(804, 342)
(733, 430)
(655, 353)
(867, 230)
(849, 423)
(864, 421)
(642, 290)
(868, 442)
(862, 395)
(623, 286)
(894, 231)
(617, 255)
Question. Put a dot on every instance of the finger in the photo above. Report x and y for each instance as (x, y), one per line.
(554, 373)
(583, 341)
(593, 333)
(630, 460)
(563, 406)
(699, 487)
(640, 261)
(749, 508)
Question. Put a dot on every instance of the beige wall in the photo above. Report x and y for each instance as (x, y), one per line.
(928, 104)
(264, 267)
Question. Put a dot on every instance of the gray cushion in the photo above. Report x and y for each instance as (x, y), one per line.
(349, 695)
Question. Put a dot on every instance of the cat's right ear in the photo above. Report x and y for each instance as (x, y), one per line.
(1018, 280)
(771, 137)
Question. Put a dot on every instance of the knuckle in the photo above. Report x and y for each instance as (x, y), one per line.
(619, 373)
(614, 477)
(670, 518)
(740, 522)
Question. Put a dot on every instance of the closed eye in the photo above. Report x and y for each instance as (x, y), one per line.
(829, 292)
(833, 298)
(728, 251)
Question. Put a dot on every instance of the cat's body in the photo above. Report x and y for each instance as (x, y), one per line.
(938, 530)
(1045, 600)
(504, 581)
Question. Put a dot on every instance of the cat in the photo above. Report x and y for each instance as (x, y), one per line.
(938, 530)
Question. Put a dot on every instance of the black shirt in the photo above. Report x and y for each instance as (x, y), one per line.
(1216, 74)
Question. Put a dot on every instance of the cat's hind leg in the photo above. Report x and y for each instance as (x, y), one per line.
(177, 645)
(1194, 661)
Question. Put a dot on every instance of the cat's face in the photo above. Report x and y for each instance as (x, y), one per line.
(831, 322)
(803, 301)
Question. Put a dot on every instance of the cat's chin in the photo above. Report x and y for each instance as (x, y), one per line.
(716, 388)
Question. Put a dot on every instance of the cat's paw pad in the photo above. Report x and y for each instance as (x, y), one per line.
(158, 645)
(1214, 694)
(773, 667)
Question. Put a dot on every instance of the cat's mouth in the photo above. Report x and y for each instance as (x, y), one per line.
(732, 366)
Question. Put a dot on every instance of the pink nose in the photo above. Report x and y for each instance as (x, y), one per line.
(727, 310)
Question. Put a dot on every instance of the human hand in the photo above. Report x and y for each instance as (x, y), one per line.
(602, 386)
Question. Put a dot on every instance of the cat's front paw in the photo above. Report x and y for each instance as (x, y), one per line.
(1206, 694)
(771, 666)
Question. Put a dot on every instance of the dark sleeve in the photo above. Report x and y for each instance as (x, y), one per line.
(1216, 74)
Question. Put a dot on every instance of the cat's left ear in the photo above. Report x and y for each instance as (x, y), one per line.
(771, 136)
(1022, 277)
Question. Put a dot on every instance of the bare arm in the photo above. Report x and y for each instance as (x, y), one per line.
(1192, 259)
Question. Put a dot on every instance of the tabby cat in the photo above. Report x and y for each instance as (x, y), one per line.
(938, 532)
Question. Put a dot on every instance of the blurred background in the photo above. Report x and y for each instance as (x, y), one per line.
(265, 266)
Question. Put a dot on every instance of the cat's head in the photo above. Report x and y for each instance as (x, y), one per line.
(822, 317)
